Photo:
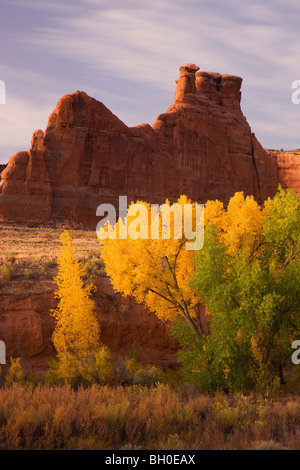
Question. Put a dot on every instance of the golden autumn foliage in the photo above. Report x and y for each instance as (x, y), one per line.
(76, 335)
(247, 275)
(239, 226)
(155, 270)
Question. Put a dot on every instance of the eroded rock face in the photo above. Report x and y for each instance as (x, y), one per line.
(202, 147)
(25, 189)
(26, 324)
(288, 163)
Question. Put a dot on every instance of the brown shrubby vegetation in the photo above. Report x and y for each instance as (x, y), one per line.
(129, 406)
(138, 417)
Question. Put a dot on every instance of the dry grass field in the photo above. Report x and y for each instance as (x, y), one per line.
(31, 252)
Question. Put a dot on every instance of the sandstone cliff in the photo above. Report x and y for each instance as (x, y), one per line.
(288, 163)
(26, 325)
(202, 146)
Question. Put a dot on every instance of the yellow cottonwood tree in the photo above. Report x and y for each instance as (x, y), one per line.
(77, 330)
(240, 226)
(248, 275)
(155, 270)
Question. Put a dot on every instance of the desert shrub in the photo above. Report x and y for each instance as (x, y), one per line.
(33, 268)
(15, 373)
(131, 371)
(269, 445)
(97, 368)
(174, 442)
(29, 267)
(124, 309)
(104, 366)
(132, 363)
(147, 375)
(139, 417)
(93, 265)
(293, 410)
(266, 383)
(227, 416)
(292, 381)
(7, 271)
(171, 377)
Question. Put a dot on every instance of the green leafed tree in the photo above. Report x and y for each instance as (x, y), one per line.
(248, 275)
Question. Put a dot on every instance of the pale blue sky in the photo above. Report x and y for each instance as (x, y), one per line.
(127, 53)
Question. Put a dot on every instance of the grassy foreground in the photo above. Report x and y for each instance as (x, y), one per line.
(137, 417)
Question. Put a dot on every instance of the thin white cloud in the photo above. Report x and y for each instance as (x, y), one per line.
(29, 101)
(144, 43)
(18, 120)
(46, 6)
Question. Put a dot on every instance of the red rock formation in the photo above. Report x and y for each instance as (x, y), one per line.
(288, 168)
(25, 190)
(26, 325)
(202, 147)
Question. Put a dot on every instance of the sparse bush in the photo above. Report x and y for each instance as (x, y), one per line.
(138, 417)
(224, 414)
(32, 225)
(174, 442)
(98, 368)
(148, 376)
(15, 374)
(266, 383)
(124, 308)
(269, 445)
(7, 271)
(34, 268)
(292, 384)
(93, 265)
